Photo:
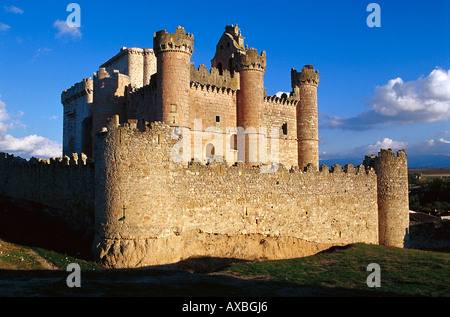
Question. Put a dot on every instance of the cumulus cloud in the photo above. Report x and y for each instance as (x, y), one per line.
(64, 30)
(426, 99)
(386, 143)
(28, 146)
(13, 9)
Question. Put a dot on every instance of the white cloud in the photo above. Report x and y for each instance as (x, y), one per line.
(28, 146)
(444, 141)
(64, 30)
(386, 143)
(426, 99)
(4, 27)
(13, 9)
(280, 93)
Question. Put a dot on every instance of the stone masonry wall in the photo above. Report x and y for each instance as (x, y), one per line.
(77, 102)
(152, 210)
(137, 63)
(65, 185)
(393, 196)
(275, 113)
(209, 102)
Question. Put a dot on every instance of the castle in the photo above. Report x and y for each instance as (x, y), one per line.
(161, 84)
(175, 161)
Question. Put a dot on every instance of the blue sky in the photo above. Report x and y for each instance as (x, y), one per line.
(385, 86)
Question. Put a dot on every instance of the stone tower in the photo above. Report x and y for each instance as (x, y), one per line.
(305, 84)
(230, 45)
(250, 101)
(109, 92)
(173, 55)
(393, 199)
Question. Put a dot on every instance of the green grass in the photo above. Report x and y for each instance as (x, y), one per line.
(404, 272)
(340, 271)
(62, 260)
(18, 259)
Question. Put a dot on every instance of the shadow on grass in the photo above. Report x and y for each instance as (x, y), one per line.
(160, 282)
(194, 277)
(28, 224)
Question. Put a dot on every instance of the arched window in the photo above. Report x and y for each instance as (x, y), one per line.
(209, 151)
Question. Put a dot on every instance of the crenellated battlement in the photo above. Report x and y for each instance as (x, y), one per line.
(167, 133)
(212, 89)
(307, 76)
(214, 78)
(74, 160)
(80, 89)
(180, 41)
(288, 101)
(251, 60)
(386, 159)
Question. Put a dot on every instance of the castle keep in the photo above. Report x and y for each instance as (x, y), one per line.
(161, 84)
(177, 161)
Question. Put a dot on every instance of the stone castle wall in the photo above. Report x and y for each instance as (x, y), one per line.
(280, 113)
(64, 185)
(152, 210)
(209, 102)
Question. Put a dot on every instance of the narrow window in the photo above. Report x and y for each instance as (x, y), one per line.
(284, 128)
(173, 120)
(173, 108)
(220, 67)
(217, 119)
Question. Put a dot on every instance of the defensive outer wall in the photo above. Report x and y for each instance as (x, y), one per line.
(147, 209)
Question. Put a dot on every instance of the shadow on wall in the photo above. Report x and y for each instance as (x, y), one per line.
(28, 224)
(433, 236)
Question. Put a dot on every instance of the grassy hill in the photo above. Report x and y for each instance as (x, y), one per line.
(32, 271)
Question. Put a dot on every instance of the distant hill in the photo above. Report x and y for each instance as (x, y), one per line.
(413, 161)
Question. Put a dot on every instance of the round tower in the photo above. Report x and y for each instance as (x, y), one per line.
(173, 59)
(393, 197)
(250, 100)
(305, 84)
